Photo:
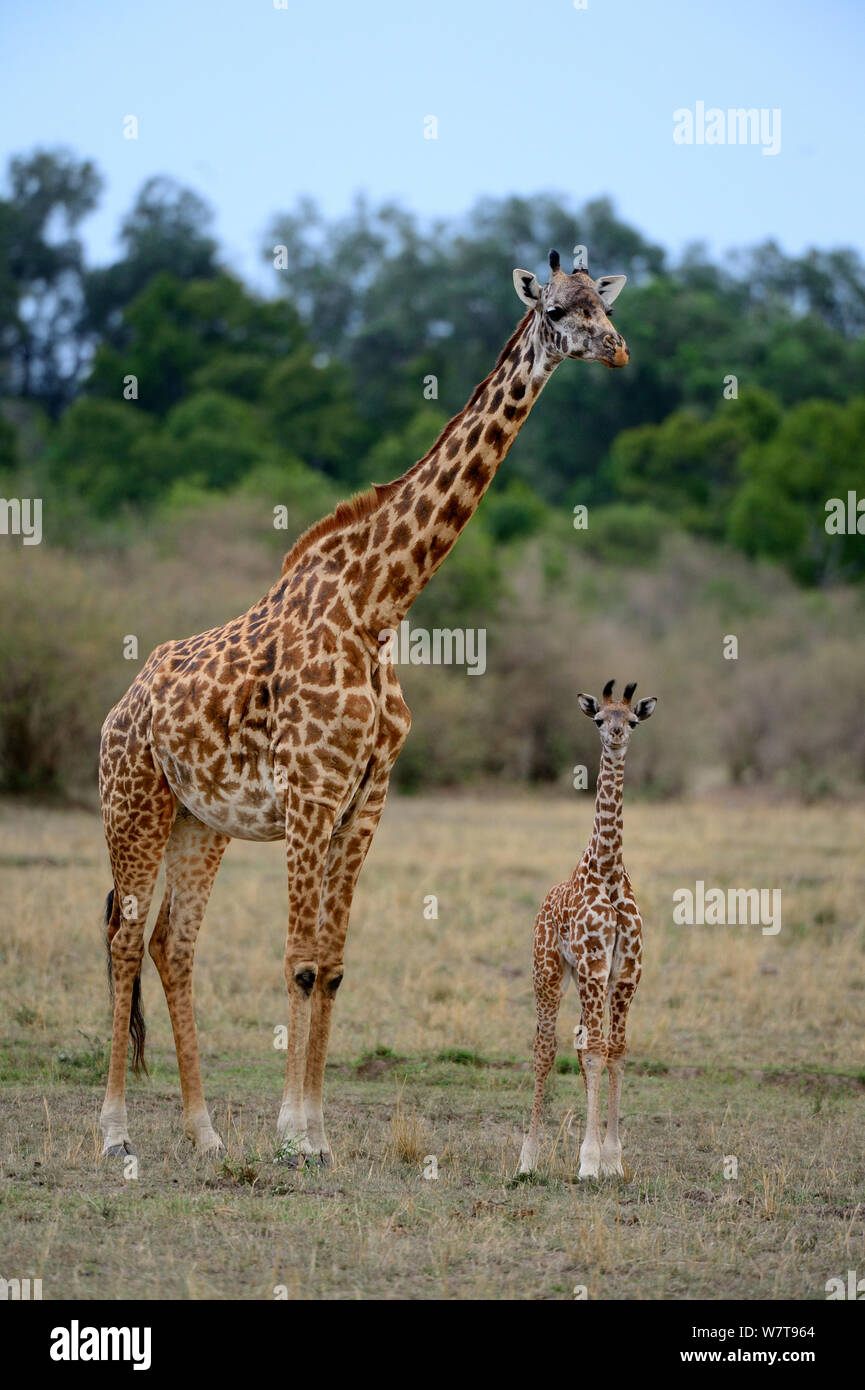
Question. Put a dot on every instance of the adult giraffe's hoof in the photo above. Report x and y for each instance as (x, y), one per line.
(528, 1157)
(289, 1154)
(209, 1145)
(590, 1165)
(118, 1150)
(304, 1160)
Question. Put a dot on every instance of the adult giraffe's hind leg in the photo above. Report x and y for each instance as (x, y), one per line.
(138, 810)
(547, 973)
(192, 857)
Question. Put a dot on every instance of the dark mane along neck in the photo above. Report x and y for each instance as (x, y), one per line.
(346, 514)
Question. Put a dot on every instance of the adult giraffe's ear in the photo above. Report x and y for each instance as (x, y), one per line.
(588, 704)
(609, 288)
(527, 288)
(643, 708)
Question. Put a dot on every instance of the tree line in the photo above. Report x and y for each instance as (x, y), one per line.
(740, 416)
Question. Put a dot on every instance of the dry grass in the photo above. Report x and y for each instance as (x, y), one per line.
(410, 1138)
(742, 1045)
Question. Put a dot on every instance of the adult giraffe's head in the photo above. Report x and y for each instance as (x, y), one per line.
(616, 719)
(572, 314)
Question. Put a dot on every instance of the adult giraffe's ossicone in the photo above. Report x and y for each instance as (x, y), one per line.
(285, 723)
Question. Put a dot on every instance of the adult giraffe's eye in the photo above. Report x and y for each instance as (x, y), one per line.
(555, 314)
(599, 722)
(633, 723)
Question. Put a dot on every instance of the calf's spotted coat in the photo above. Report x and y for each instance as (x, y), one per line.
(589, 928)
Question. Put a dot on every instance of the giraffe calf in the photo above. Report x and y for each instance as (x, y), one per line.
(589, 928)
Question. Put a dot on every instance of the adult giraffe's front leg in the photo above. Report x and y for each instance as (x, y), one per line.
(348, 850)
(308, 831)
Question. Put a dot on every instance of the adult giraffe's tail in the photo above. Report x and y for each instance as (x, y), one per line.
(137, 1027)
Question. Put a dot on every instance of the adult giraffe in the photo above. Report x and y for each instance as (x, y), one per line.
(284, 723)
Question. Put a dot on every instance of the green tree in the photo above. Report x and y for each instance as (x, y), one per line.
(312, 412)
(8, 447)
(101, 453)
(174, 331)
(168, 229)
(688, 467)
(212, 440)
(42, 344)
(780, 511)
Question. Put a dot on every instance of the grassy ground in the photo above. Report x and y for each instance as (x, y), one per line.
(743, 1046)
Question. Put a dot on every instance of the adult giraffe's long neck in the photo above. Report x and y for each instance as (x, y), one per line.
(606, 841)
(421, 515)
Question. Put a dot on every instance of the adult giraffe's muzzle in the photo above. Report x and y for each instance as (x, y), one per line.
(621, 356)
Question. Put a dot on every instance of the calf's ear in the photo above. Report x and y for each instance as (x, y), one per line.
(644, 708)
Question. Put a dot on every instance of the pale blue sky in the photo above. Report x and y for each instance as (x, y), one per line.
(252, 106)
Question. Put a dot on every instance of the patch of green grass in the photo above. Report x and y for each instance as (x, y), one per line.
(650, 1066)
(371, 1053)
(83, 1064)
(461, 1057)
(568, 1066)
(20, 1062)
